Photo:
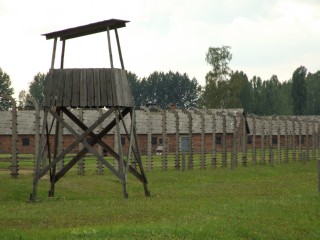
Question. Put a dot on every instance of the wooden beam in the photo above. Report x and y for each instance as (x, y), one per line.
(62, 53)
(119, 48)
(54, 53)
(110, 49)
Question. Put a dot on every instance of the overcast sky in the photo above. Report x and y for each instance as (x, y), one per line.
(266, 37)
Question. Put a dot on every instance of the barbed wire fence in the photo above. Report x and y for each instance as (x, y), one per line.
(178, 139)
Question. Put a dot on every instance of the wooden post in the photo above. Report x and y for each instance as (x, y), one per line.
(100, 150)
(110, 49)
(54, 53)
(120, 153)
(119, 48)
(60, 144)
(62, 53)
(81, 163)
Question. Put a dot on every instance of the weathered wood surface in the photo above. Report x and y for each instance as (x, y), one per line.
(101, 87)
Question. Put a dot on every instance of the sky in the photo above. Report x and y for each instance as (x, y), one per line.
(266, 37)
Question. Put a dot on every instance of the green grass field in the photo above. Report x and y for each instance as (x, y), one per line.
(255, 202)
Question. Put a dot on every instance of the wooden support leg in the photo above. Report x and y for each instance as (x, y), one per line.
(55, 153)
(37, 169)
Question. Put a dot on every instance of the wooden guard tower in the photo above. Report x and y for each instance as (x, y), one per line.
(88, 88)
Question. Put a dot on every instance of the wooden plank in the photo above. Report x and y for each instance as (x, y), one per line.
(119, 48)
(90, 88)
(75, 100)
(96, 79)
(52, 88)
(83, 88)
(60, 87)
(47, 89)
(108, 91)
(114, 87)
(54, 83)
(122, 98)
(127, 94)
(103, 87)
(67, 87)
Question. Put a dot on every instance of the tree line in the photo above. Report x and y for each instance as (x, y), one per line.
(224, 88)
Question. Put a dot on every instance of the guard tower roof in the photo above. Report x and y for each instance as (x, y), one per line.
(86, 29)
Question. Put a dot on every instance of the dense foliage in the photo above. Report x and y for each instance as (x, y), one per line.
(224, 88)
(164, 89)
(5, 88)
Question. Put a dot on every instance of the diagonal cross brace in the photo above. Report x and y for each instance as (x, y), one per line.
(96, 138)
(87, 146)
(74, 144)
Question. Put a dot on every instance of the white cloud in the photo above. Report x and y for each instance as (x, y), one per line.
(267, 37)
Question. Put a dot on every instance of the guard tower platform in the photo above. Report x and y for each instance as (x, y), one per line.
(106, 88)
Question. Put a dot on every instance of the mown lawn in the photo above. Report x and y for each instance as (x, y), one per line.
(255, 202)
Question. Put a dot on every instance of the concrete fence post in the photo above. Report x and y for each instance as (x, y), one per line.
(177, 138)
(234, 140)
(254, 152)
(214, 152)
(244, 140)
(279, 140)
(294, 155)
(14, 168)
(149, 139)
(202, 141)
(36, 127)
(190, 155)
(300, 139)
(313, 140)
(307, 139)
(271, 142)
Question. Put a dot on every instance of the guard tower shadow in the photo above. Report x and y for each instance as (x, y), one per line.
(67, 89)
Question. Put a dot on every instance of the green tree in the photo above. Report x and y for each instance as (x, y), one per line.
(313, 96)
(5, 88)
(36, 88)
(137, 90)
(299, 90)
(239, 90)
(216, 93)
(166, 88)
